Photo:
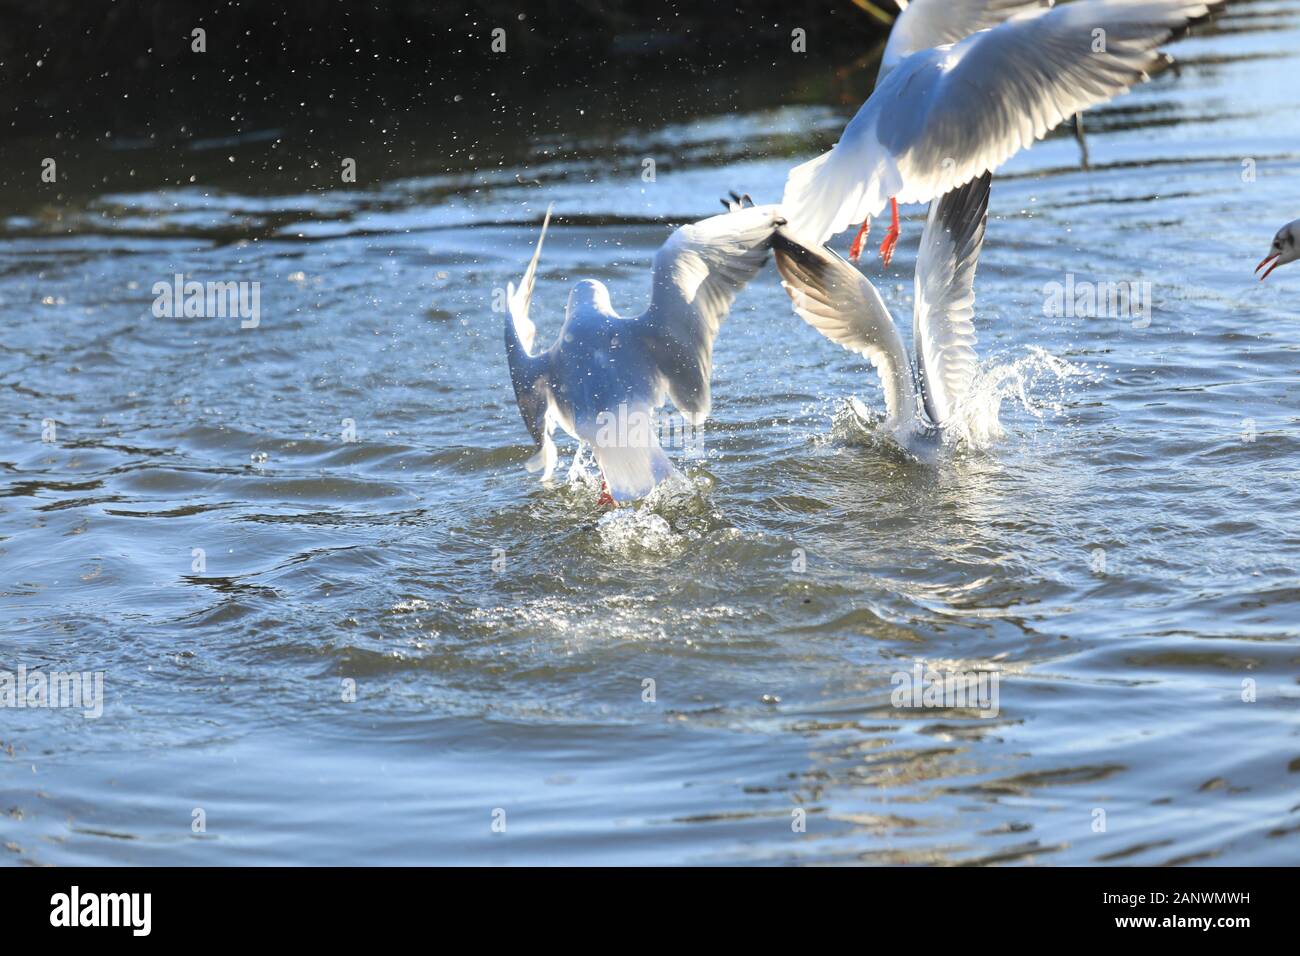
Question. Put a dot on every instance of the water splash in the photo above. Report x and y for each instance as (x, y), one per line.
(583, 476)
(1038, 383)
(637, 532)
(681, 495)
(677, 511)
(857, 424)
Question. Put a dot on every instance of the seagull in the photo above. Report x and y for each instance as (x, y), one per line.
(605, 376)
(943, 116)
(922, 25)
(921, 399)
(1282, 251)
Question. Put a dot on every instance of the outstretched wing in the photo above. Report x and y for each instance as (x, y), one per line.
(527, 371)
(518, 299)
(942, 330)
(929, 23)
(946, 115)
(838, 301)
(697, 274)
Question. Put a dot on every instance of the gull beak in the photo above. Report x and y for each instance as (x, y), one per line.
(1271, 257)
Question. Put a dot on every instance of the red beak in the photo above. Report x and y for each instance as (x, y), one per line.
(1267, 259)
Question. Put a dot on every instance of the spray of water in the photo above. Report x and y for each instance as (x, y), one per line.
(677, 511)
(1038, 384)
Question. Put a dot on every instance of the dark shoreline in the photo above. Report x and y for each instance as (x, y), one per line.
(132, 59)
(127, 105)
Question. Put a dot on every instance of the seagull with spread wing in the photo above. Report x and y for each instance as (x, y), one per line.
(921, 25)
(941, 117)
(921, 398)
(605, 376)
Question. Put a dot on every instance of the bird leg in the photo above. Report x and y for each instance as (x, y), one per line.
(605, 497)
(1083, 142)
(891, 237)
(859, 240)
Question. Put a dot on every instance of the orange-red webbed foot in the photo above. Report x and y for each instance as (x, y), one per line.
(860, 240)
(891, 237)
(605, 499)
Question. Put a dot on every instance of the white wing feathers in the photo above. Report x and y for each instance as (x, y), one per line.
(697, 274)
(928, 23)
(518, 299)
(942, 328)
(946, 115)
(838, 301)
(528, 371)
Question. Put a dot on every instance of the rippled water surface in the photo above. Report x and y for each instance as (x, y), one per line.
(1125, 556)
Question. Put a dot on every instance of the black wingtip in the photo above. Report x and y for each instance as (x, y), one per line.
(786, 244)
(963, 212)
(790, 251)
(737, 201)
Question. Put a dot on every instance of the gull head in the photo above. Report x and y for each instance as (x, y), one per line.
(590, 295)
(1283, 250)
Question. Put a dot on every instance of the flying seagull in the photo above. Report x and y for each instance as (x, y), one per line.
(943, 116)
(921, 25)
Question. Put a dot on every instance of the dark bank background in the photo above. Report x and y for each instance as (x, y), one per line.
(115, 92)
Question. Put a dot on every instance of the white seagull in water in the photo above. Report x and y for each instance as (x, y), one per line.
(923, 25)
(606, 375)
(1283, 250)
(837, 300)
(943, 116)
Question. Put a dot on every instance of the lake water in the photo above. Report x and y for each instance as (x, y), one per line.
(197, 528)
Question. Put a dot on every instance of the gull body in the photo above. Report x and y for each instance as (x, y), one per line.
(923, 396)
(923, 25)
(606, 375)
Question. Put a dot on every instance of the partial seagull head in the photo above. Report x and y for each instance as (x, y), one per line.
(590, 294)
(1283, 250)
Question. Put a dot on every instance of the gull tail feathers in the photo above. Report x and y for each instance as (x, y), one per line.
(633, 472)
(826, 195)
